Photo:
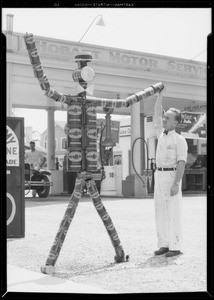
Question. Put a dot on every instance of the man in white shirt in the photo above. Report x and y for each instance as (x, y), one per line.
(171, 157)
(34, 157)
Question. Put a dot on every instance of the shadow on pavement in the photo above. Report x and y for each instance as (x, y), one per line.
(55, 199)
(159, 261)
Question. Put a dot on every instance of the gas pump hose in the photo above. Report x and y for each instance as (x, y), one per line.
(133, 157)
(101, 158)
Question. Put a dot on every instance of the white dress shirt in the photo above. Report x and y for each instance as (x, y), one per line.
(170, 149)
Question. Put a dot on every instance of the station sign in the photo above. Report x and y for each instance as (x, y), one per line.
(12, 148)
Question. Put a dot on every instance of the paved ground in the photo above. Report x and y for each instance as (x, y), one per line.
(87, 256)
(23, 280)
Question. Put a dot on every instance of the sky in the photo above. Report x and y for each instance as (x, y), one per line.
(176, 32)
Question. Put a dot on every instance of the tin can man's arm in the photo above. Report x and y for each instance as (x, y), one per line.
(39, 72)
(51, 93)
(117, 103)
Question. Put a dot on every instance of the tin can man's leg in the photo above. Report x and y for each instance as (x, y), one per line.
(64, 225)
(92, 189)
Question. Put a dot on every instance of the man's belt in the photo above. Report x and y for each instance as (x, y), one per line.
(166, 169)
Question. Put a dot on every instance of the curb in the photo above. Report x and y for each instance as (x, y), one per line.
(23, 280)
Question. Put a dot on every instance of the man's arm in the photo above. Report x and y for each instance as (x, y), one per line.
(180, 171)
(43, 161)
(158, 112)
(182, 149)
(179, 174)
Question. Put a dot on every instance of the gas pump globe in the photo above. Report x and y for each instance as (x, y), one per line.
(81, 130)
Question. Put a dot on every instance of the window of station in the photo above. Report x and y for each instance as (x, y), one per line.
(197, 157)
(195, 177)
(46, 143)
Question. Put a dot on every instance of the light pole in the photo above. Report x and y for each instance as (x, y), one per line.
(100, 23)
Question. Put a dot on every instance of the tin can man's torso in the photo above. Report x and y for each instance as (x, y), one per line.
(81, 130)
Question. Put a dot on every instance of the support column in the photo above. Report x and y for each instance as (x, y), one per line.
(143, 143)
(51, 139)
(9, 32)
(9, 45)
(135, 133)
(9, 88)
(133, 185)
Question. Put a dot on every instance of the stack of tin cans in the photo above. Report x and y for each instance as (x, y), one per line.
(81, 130)
(35, 61)
(39, 73)
(143, 95)
(91, 153)
(73, 130)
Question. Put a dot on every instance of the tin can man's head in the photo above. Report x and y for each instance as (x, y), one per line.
(84, 73)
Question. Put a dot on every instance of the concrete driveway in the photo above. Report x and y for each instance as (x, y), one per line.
(87, 256)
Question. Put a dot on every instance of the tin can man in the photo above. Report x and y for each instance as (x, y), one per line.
(81, 133)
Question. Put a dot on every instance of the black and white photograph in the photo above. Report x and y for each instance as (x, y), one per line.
(106, 148)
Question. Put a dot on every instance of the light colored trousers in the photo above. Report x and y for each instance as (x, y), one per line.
(167, 211)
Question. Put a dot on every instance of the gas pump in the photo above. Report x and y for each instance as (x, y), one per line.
(15, 177)
(108, 185)
(147, 176)
(108, 144)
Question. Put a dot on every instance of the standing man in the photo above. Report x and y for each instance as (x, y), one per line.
(34, 157)
(171, 157)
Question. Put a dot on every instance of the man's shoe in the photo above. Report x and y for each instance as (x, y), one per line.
(172, 253)
(161, 251)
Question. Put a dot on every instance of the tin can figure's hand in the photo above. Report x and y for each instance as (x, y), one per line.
(174, 190)
(163, 90)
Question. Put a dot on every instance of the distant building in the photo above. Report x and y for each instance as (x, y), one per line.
(32, 135)
(60, 141)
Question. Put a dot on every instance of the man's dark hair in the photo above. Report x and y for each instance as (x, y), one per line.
(178, 114)
(32, 142)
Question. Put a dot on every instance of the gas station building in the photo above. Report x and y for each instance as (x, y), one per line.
(119, 73)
